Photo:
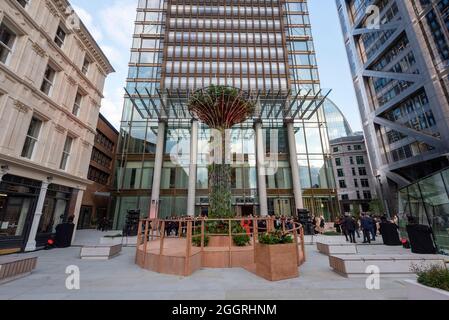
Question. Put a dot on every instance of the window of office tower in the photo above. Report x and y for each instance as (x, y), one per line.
(239, 44)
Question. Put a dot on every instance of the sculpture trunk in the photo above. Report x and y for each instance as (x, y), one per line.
(220, 195)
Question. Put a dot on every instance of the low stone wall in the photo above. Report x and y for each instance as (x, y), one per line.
(16, 266)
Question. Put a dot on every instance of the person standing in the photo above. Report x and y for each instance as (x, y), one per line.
(350, 228)
(322, 224)
(395, 220)
(373, 229)
(343, 227)
(357, 227)
(366, 228)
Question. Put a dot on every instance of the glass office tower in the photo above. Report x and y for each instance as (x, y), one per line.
(400, 65)
(265, 49)
(400, 62)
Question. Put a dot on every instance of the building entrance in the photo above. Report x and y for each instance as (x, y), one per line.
(246, 210)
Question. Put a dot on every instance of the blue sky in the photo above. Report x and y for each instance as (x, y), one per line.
(111, 24)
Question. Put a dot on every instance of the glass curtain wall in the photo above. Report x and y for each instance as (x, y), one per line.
(428, 202)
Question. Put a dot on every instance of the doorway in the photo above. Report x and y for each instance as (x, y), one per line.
(247, 210)
(85, 218)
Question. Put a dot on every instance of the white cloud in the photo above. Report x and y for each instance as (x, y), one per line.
(114, 55)
(111, 106)
(87, 19)
(118, 22)
(112, 25)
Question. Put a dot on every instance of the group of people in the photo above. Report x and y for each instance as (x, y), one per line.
(370, 225)
(174, 226)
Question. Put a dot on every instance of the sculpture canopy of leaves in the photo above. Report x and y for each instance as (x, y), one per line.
(220, 107)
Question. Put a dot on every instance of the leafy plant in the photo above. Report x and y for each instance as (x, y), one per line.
(276, 237)
(376, 206)
(196, 241)
(217, 227)
(355, 211)
(433, 276)
(242, 239)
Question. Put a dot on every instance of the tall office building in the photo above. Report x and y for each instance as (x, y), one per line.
(399, 61)
(265, 49)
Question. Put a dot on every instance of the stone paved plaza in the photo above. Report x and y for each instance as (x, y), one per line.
(120, 278)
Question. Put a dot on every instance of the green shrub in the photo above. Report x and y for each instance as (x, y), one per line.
(276, 237)
(434, 276)
(217, 227)
(196, 241)
(239, 240)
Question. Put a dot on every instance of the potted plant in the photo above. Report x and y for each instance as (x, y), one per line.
(276, 256)
(432, 283)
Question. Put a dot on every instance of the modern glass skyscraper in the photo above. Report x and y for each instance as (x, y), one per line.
(265, 49)
(399, 56)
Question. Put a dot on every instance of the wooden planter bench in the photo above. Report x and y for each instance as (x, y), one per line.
(330, 248)
(100, 252)
(276, 262)
(16, 266)
(393, 264)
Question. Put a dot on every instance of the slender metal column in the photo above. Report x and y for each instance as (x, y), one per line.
(159, 157)
(31, 243)
(261, 170)
(192, 169)
(297, 190)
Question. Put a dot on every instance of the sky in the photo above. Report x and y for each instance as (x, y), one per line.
(111, 23)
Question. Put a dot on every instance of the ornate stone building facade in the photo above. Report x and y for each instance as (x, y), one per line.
(52, 74)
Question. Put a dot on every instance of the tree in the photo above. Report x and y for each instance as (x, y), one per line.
(376, 206)
(355, 211)
(220, 108)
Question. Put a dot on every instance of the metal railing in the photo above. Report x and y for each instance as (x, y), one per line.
(153, 230)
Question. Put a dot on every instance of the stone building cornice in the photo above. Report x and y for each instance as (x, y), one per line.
(45, 98)
(101, 60)
(64, 11)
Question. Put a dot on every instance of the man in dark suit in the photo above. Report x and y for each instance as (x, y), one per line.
(350, 226)
(367, 226)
